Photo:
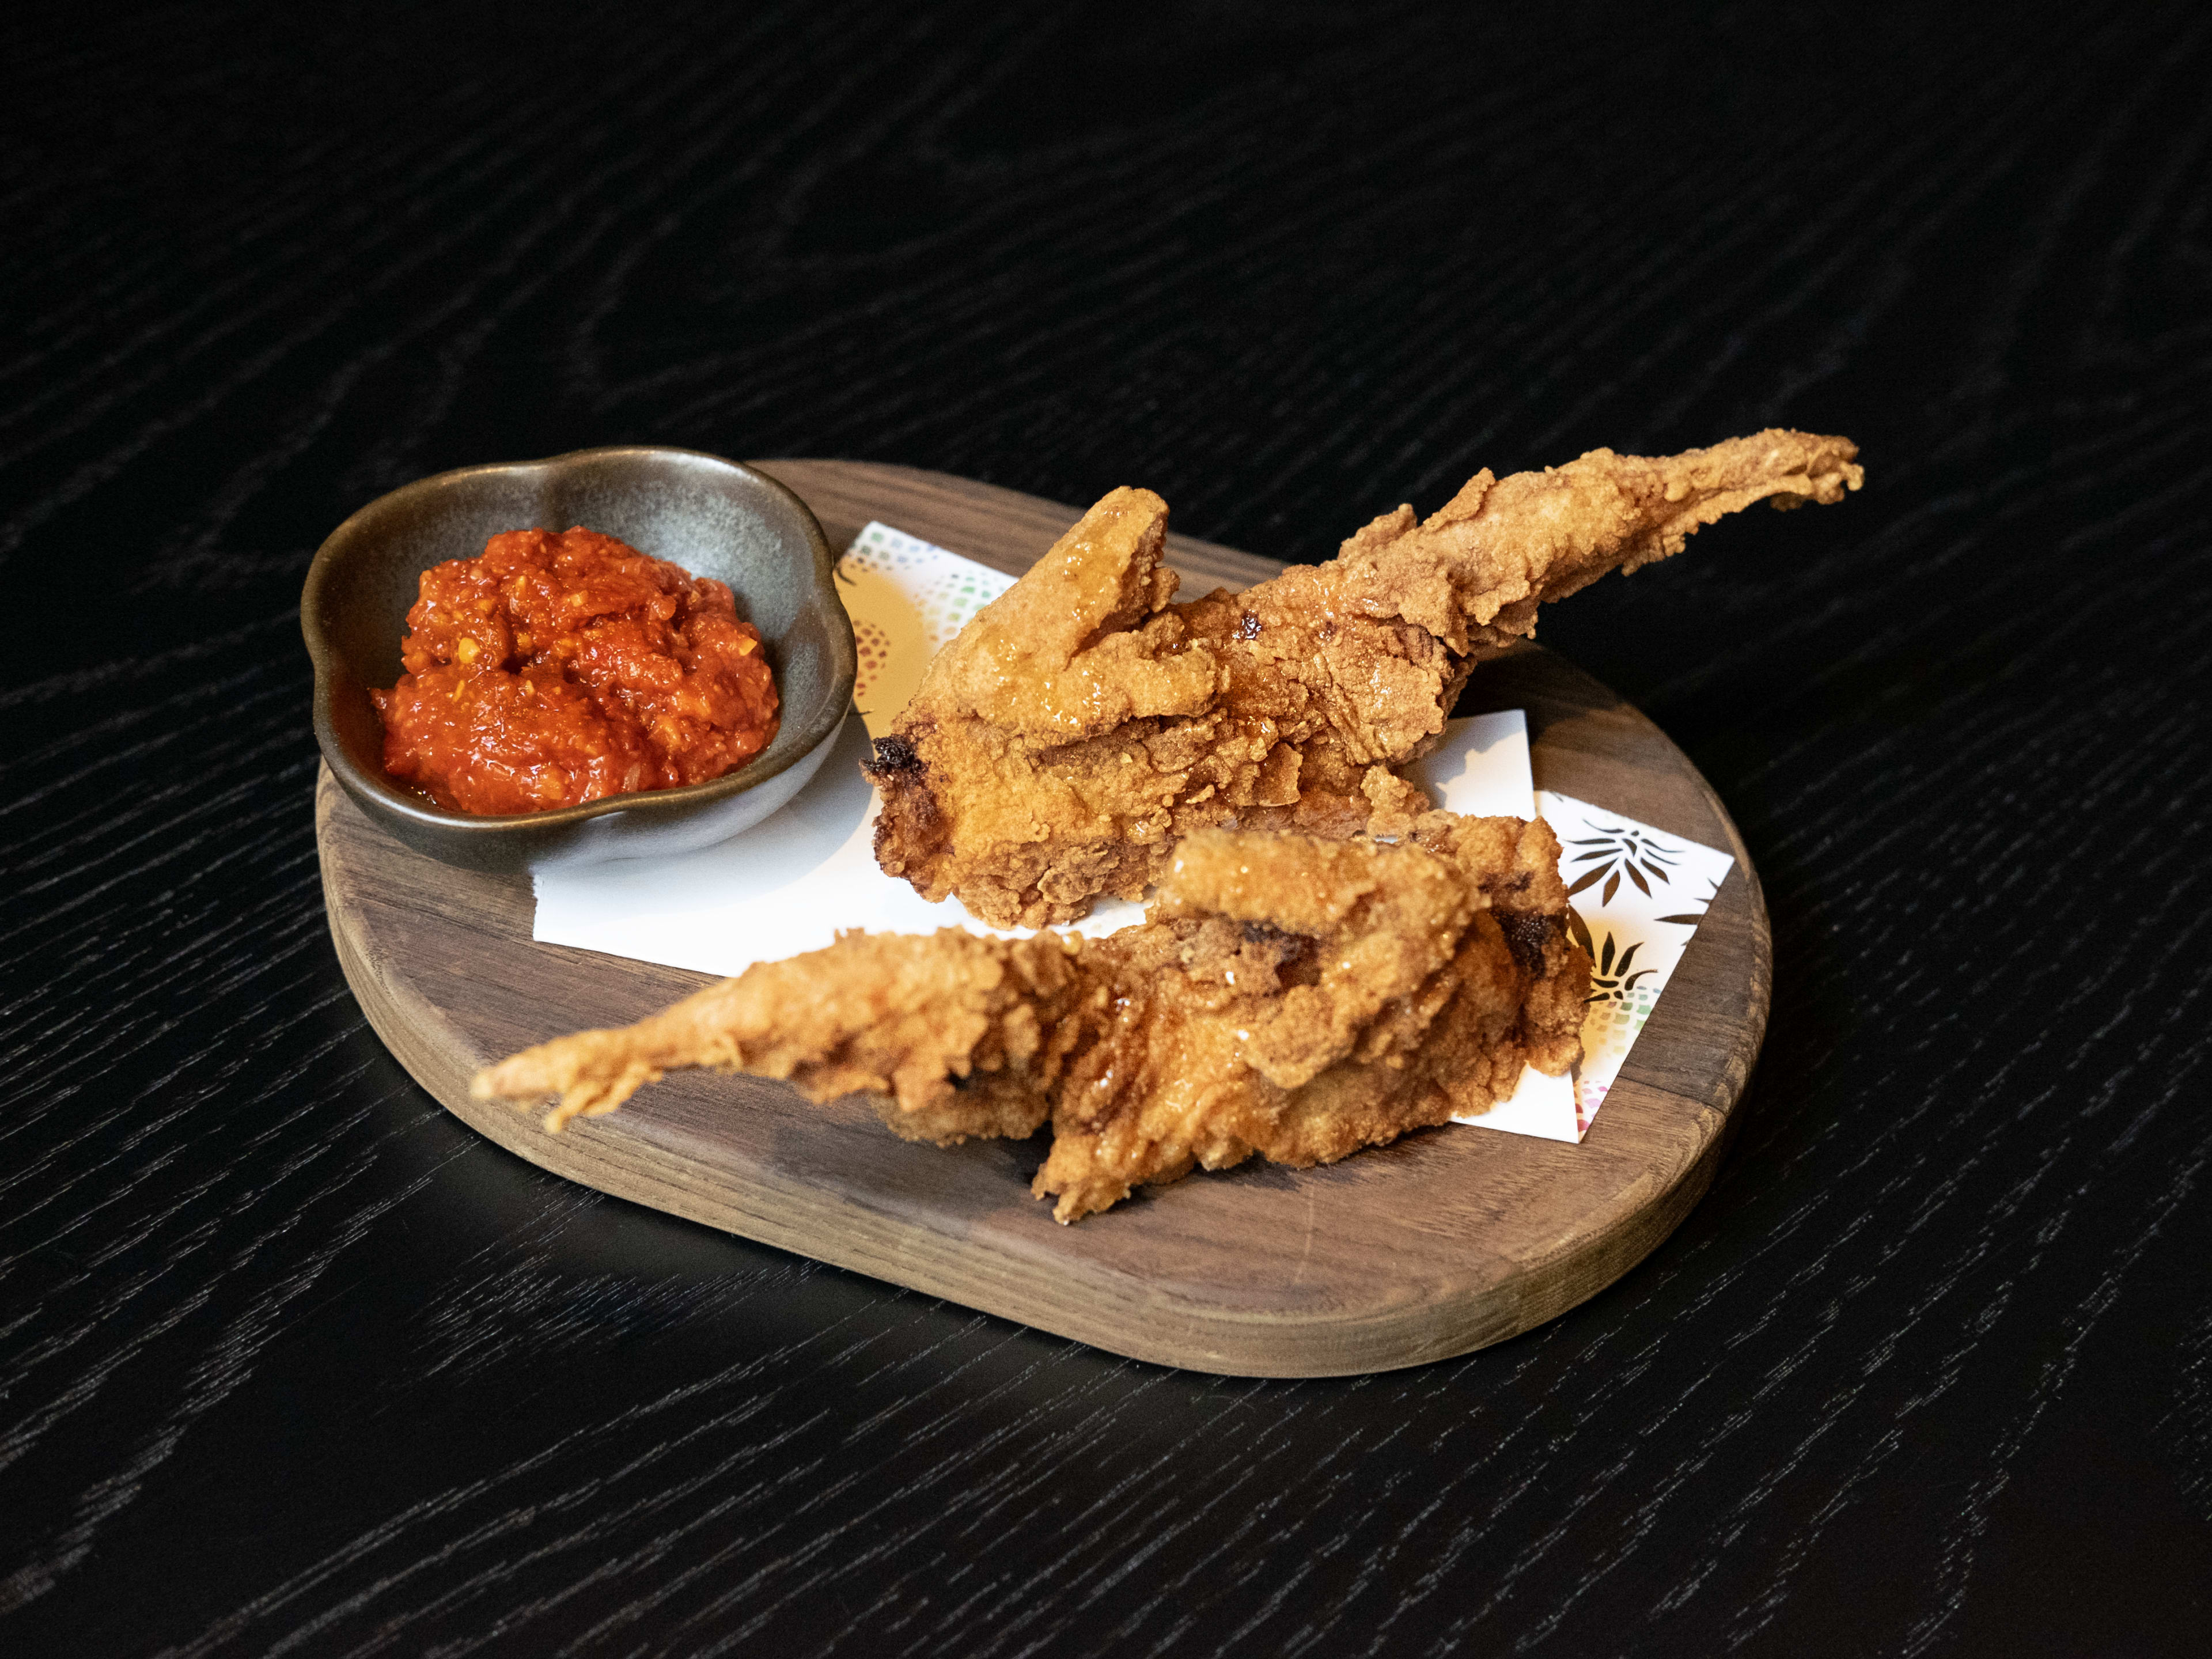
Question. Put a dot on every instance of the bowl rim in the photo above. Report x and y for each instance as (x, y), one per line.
(822, 725)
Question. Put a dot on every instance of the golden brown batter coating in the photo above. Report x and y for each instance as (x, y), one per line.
(1287, 996)
(1300, 998)
(1081, 725)
(947, 1032)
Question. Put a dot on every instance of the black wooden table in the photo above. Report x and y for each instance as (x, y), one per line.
(290, 1361)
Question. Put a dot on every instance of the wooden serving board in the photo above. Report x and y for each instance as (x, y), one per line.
(1448, 1240)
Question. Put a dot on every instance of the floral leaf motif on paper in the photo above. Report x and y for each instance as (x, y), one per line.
(1618, 850)
(1625, 874)
(1692, 918)
(1613, 975)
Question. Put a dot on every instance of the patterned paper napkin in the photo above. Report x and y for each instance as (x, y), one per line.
(907, 599)
(1634, 897)
(793, 882)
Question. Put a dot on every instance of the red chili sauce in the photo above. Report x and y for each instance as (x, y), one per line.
(562, 666)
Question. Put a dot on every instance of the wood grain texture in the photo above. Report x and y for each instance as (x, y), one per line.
(291, 1361)
(1449, 1241)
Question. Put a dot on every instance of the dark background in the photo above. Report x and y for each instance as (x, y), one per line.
(291, 1361)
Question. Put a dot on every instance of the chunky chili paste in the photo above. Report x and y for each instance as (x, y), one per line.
(562, 666)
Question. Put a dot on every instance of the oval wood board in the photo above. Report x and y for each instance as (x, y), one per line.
(1446, 1241)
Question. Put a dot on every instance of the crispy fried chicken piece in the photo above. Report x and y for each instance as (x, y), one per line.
(1288, 996)
(946, 1032)
(1300, 998)
(1081, 725)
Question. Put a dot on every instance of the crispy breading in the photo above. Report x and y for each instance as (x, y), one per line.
(1287, 996)
(947, 1031)
(1299, 999)
(1082, 726)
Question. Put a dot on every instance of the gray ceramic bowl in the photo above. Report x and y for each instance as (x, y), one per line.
(712, 517)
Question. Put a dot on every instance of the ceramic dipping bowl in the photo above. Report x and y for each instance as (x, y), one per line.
(714, 518)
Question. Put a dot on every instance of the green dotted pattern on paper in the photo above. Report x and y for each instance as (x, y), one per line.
(948, 589)
(1626, 1018)
(1609, 1028)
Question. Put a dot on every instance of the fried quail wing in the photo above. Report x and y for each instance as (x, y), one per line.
(949, 1035)
(1082, 725)
(1298, 999)
(1287, 996)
